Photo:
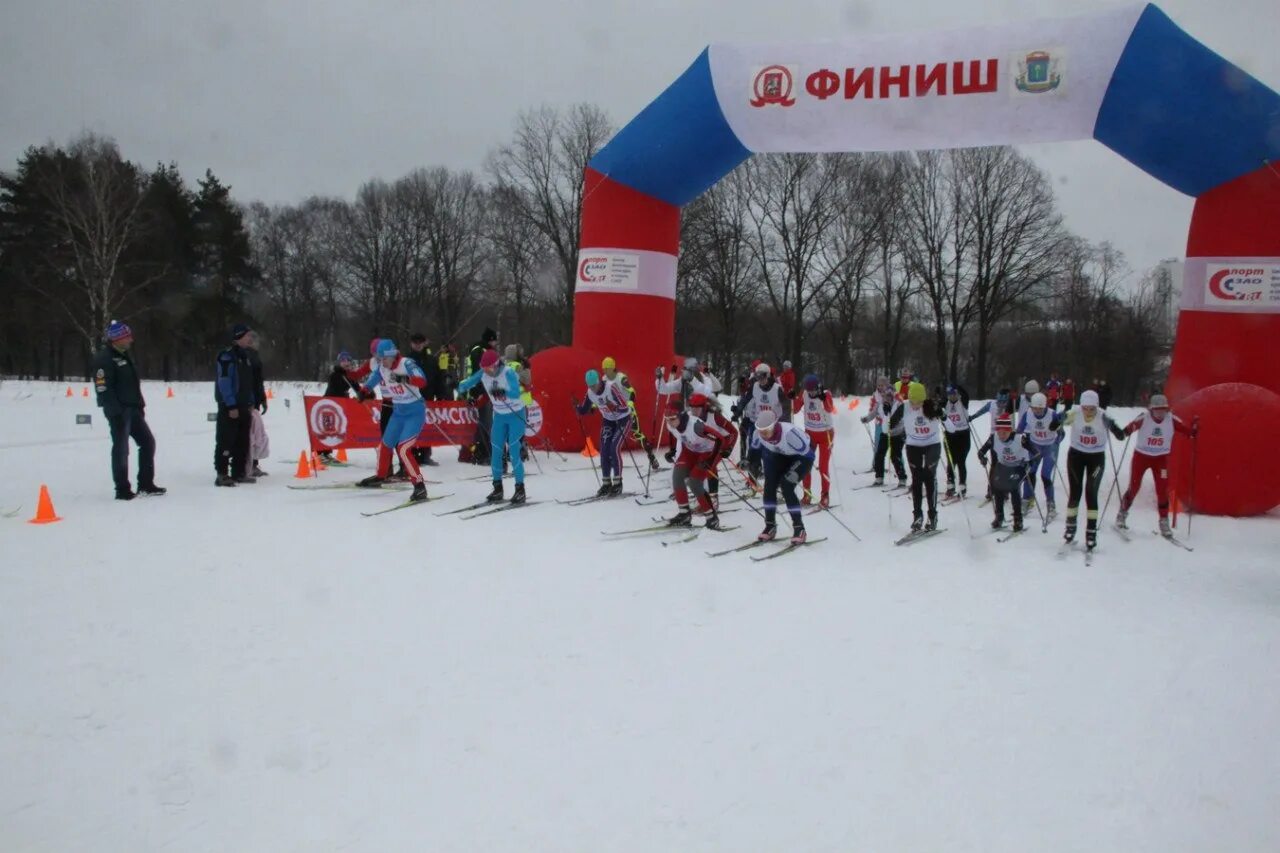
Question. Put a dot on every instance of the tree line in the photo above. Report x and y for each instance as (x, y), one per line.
(955, 263)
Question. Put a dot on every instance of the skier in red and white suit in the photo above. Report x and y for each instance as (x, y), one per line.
(818, 408)
(710, 412)
(696, 452)
(1155, 429)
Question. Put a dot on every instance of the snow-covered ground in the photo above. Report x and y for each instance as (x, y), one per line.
(259, 669)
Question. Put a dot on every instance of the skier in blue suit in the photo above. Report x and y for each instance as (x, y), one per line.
(503, 387)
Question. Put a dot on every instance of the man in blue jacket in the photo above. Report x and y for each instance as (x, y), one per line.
(115, 379)
(235, 395)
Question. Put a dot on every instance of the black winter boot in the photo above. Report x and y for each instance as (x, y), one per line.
(517, 497)
(496, 495)
(419, 492)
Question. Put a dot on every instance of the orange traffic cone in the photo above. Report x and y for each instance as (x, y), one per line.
(342, 454)
(271, 395)
(853, 404)
(317, 461)
(69, 394)
(590, 449)
(85, 392)
(44, 508)
(304, 468)
(169, 393)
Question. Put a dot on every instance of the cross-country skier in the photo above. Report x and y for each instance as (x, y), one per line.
(885, 405)
(1010, 453)
(1068, 394)
(1053, 390)
(765, 395)
(815, 401)
(689, 381)
(955, 421)
(708, 409)
(922, 423)
(1024, 400)
(788, 457)
(1043, 426)
(609, 369)
(615, 416)
(502, 387)
(1085, 463)
(1155, 428)
(402, 381)
(695, 453)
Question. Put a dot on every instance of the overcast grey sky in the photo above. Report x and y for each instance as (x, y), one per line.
(288, 98)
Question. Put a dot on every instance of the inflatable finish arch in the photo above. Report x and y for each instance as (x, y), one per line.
(1129, 78)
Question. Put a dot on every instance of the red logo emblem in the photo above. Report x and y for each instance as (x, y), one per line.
(773, 85)
(1237, 284)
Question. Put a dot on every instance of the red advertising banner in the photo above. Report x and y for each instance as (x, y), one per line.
(334, 422)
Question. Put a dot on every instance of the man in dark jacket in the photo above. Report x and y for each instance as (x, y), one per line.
(1104, 394)
(120, 397)
(236, 396)
(478, 453)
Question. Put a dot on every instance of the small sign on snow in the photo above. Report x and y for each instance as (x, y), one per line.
(84, 419)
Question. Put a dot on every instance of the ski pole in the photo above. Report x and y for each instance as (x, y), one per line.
(946, 446)
(1191, 499)
(1115, 480)
(829, 512)
(583, 430)
(754, 509)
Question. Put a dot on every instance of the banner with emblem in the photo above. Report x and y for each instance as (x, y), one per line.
(334, 422)
(1231, 285)
(1037, 81)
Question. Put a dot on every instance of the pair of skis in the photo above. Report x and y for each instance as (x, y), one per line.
(594, 499)
(789, 547)
(1125, 533)
(918, 535)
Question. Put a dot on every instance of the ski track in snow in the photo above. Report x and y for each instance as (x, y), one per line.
(263, 669)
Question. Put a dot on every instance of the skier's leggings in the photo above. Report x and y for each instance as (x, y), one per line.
(924, 474)
(1084, 475)
(957, 457)
(891, 445)
(612, 434)
(1046, 459)
(1159, 468)
(785, 472)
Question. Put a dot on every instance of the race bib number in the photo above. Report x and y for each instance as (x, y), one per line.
(1089, 440)
(1043, 434)
(533, 420)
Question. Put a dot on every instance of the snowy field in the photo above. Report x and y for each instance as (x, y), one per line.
(260, 669)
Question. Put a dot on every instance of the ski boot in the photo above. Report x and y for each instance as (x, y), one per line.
(1050, 511)
(713, 521)
(902, 482)
(1017, 525)
(151, 490)
(806, 500)
(963, 492)
(769, 533)
(997, 522)
(798, 536)
(374, 482)
(257, 471)
(518, 496)
(1165, 530)
(223, 480)
(1090, 539)
(1122, 518)
(400, 476)
(1069, 535)
(932, 523)
(125, 494)
(616, 488)
(419, 493)
(878, 481)
(917, 522)
(683, 518)
(430, 461)
(825, 503)
(1029, 504)
(605, 488)
(951, 491)
(496, 495)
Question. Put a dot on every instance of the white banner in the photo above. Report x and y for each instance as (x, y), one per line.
(633, 271)
(1037, 81)
(1231, 285)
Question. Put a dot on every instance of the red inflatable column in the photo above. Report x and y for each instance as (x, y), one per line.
(1229, 324)
(624, 303)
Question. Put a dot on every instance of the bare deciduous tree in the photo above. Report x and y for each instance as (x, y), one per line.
(542, 170)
